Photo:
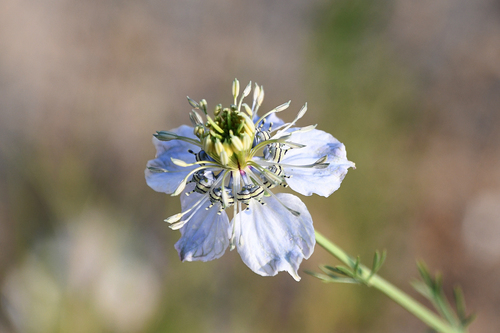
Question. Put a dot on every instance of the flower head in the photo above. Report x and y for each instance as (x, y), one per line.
(235, 159)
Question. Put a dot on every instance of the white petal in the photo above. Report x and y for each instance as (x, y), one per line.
(206, 235)
(271, 239)
(307, 181)
(168, 181)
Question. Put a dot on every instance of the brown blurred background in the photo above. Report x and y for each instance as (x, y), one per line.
(411, 87)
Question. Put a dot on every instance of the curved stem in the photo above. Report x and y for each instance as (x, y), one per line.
(396, 294)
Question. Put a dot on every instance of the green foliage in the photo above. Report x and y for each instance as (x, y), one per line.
(432, 289)
(355, 273)
(449, 319)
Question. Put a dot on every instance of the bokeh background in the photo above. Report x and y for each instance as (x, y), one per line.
(411, 87)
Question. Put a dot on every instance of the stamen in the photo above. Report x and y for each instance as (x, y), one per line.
(247, 90)
(196, 207)
(224, 158)
(247, 141)
(193, 103)
(195, 118)
(261, 124)
(301, 113)
(169, 136)
(265, 143)
(240, 126)
(319, 164)
(218, 109)
(208, 145)
(322, 160)
(260, 99)
(182, 185)
(299, 130)
(237, 144)
(240, 240)
(237, 206)
(214, 125)
(203, 105)
(245, 94)
(306, 129)
(256, 179)
(277, 109)
(218, 146)
(294, 145)
(247, 109)
(215, 135)
(270, 176)
(181, 163)
(225, 198)
(249, 125)
(256, 93)
(228, 118)
(236, 89)
(157, 169)
(176, 217)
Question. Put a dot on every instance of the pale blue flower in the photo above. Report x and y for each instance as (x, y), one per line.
(234, 159)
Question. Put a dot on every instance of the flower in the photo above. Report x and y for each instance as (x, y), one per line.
(234, 159)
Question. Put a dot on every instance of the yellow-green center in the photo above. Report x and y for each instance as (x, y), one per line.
(228, 137)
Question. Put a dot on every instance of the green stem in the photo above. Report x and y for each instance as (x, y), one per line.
(397, 295)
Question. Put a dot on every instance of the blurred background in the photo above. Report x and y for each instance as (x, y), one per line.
(411, 87)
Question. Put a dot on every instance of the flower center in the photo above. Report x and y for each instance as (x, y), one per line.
(228, 137)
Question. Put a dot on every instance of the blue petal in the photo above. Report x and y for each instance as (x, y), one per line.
(307, 181)
(206, 235)
(168, 181)
(270, 239)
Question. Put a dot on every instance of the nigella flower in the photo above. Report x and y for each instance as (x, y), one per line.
(235, 159)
